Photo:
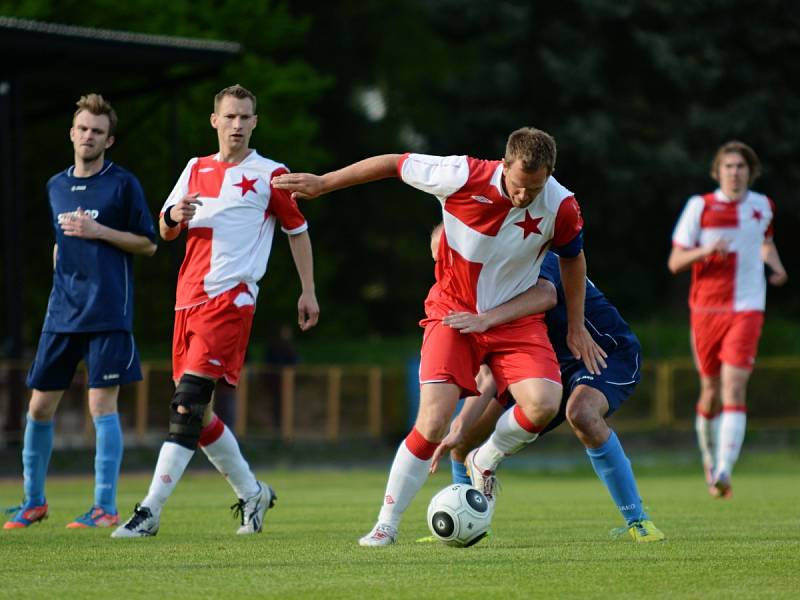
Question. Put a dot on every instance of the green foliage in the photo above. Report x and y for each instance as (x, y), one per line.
(550, 533)
(638, 94)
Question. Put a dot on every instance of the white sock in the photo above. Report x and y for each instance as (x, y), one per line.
(225, 455)
(509, 437)
(406, 477)
(707, 437)
(731, 435)
(172, 462)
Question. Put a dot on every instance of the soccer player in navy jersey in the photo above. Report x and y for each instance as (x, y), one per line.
(101, 220)
(587, 400)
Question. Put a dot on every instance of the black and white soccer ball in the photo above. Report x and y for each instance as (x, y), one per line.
(459, 515)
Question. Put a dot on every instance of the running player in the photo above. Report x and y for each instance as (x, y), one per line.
(725, 238)
(230, 211)
(499, 217)
(101, 220)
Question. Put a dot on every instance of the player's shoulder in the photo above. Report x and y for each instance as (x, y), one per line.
(262, 163)
(555, 193)
(112, 169)
(759, 199)
(698, 202)
(61, 176)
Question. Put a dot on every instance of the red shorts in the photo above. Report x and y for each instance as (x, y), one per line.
(730, 338)
(514, 351)
(211, 338)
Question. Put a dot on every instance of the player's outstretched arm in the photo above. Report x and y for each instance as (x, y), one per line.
(770, 256)
(81, 225)
(307, 306)
(307, 185)
(537, 299)
(579, 340)
(681, 259)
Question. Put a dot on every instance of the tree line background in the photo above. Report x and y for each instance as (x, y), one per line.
(638, 94)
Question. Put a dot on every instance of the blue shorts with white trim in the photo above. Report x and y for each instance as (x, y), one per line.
(111, 358)
(616, 382)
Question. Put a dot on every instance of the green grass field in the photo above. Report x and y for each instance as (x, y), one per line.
(551, 540)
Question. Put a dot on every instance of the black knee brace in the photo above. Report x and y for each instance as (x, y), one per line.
(193, 393)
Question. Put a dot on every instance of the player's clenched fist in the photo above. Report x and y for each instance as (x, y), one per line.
(185, 209)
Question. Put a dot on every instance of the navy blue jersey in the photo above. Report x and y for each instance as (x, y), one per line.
(93, 280)
(602, 319)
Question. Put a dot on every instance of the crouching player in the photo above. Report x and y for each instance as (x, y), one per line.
(586, 402)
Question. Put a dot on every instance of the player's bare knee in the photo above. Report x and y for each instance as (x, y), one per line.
(582, 417)
(434, 427)
(188, 406)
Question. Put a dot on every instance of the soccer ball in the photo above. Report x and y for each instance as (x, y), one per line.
(459, 515)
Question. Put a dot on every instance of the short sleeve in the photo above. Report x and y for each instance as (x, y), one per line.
(770, 232)
(438, 175)
(687, 230)
(181, 187)
(140, 221)
(567, 239)
(285, 209)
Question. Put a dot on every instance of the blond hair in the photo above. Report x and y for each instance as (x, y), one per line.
(237, 91)
(534, 148)
(97, 105)
(747, 153)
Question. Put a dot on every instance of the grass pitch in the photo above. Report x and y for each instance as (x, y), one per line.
(550, 540)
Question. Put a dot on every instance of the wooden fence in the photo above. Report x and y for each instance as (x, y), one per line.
(337, 402)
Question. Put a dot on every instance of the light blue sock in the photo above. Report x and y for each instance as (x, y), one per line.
(36, 451)
(459, 472)
(107, 459)
(614, 469)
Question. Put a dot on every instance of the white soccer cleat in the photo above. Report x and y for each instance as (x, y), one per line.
(142, 523)
(482, 480)
(251, 511)
(381, 535)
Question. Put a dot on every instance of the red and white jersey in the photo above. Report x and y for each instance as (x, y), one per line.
(490, 251)
(734, 283)
(230, 236)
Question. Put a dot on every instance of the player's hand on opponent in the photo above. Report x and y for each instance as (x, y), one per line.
(583, 346)
(301, 185)
(185, 209)
(450, 441)
(307, 311)
(466, 322)
(80, 224)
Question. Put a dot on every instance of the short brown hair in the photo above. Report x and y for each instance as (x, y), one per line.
(736, 147)
(236, 91)
(533, 147)
(97, 105)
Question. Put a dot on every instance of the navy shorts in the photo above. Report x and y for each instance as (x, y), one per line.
(111, 358)
(616, 382)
